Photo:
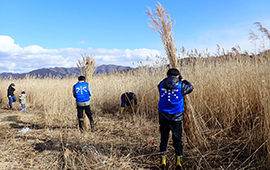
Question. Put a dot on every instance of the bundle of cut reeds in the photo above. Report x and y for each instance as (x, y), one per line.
(163, 25)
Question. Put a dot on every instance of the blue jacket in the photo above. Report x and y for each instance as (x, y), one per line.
(82, 92)
(171, 100)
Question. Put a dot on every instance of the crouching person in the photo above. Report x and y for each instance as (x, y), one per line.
(128, 99)
(82, 92)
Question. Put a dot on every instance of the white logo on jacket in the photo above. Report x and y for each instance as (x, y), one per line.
(81, 89)
(171, 93)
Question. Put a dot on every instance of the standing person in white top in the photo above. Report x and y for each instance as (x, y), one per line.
(22, 100)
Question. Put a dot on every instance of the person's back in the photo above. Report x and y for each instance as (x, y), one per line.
(171, 113)
(82, 92)
(171, 99)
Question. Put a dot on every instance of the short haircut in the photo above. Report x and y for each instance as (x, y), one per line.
(173, 72)
(81, 78)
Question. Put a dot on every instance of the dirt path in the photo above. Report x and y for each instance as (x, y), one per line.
(13, 120)
(38, 147)
(50, 147)
(9, 117)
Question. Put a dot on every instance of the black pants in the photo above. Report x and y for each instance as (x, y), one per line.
(165, 127)
(80, 114)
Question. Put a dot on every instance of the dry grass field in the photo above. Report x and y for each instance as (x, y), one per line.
(226, 124)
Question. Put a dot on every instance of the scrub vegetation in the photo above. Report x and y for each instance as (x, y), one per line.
(226, 124)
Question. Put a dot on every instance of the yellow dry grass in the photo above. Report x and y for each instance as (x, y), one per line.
(231, 111)
(226, 124)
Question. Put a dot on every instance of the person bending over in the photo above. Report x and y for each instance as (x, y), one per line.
(127, 99)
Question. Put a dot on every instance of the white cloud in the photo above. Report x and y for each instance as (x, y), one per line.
(8, 65)
(7, 45)
(83, 42)
(109, 58)
(33, 49)
(17, 59)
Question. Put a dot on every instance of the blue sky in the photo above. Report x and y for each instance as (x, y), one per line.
(54, 33)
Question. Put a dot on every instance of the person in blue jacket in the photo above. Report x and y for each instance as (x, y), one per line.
(171, 113)
(10, 94)
(82, 92)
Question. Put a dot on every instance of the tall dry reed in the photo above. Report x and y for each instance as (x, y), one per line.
(226, 123)
(231, 98)
(163, 25)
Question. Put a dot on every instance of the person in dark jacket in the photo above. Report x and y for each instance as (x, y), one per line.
(10, 94)
(171, 113)
(128, 98)
(82, 92)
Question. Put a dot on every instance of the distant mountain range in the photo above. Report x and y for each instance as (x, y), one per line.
(62, 71)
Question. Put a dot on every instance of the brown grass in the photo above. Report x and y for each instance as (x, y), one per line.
(231, 111)
(229, 108)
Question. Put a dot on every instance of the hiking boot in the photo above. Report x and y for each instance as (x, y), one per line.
(122, 110)
(163, 162)
(179, 162)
